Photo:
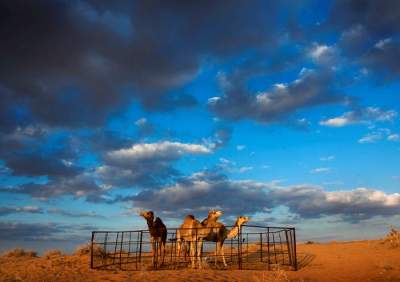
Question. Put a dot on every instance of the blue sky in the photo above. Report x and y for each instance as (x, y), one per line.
(285, 112)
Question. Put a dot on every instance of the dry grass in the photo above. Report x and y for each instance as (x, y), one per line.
(393, 238)
(18, 252)
(49, 254)
(84, 250)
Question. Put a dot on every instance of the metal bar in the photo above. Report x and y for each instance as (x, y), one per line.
(120, 250)
(261, 248)
(140, 246)
(115, 248)
(269, 261)
(240, 247)
(91, 251)
(280, 245)
(289, 247)
(295, 249)
(273, 239)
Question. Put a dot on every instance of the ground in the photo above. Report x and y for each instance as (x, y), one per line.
(335, 261)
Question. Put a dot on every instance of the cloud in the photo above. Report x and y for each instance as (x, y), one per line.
(365, 115)
(320, 170)
(80, 186)
(323, 54)
(99, 57)
(145, 164)
(28, 231)
(352, 206)
(366, 34)
(378, 135)
(393, 137)
(23, 209)
(20, 231)
(244, 169)
(68, 213)
(220, 138)
(240, 147)
(312, 88)
(202, 191)
(327, 158)
(371, 138)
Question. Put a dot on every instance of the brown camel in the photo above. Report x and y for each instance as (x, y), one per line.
(158, 235)
(193, 232)
(219, 233)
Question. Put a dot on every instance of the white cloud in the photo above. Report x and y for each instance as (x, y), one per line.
(393, 137)
(327, 158)
(245, 169)
(163, 150)
(240, 147)
(367, 115)
(382, 43)
(141, 122)
(371, 138)
(336, 122)
(320, 170)
(378, 135)
(323, 54)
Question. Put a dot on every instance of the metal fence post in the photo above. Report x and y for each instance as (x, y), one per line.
(91, 251)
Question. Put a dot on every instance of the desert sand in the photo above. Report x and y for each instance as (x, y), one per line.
(334, 261)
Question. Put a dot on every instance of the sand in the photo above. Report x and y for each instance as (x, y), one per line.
(341, 261)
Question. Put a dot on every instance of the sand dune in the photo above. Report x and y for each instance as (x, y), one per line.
(341, 261)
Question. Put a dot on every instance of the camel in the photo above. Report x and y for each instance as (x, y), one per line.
(158, 235)
(219, 233)
(193, 232)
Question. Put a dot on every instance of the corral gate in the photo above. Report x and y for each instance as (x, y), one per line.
(255, 247)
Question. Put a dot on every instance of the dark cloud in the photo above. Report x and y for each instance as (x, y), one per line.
(370, 31)
(12, 231)
(203, 191)
(80, 186)
(28, 231)
(24, 209)
(73, 63)
(312, 88)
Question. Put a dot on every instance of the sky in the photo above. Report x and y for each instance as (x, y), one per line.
(284, 111)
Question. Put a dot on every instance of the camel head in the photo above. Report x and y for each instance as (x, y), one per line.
(242, 220)
(215, 214)
(148, 215)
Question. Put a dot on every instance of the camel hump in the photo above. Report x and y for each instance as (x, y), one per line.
(158, 222)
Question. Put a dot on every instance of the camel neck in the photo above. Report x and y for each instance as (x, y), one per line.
(233, 232)
(149, 223)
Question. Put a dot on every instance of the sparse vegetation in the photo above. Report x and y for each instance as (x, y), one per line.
(19, 252)
(393, 238)
(84, 249)
(52, 254)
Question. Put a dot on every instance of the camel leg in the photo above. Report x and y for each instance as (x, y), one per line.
(152, 250)
(163, 252)
(216, 253)
(199, 254)
(192, 252)
(223, 255)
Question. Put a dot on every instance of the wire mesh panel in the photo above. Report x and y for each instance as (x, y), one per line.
(255, 247)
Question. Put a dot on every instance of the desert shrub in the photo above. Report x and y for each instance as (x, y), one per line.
(310, 242)
(52, 253)
(19, 252)
(393, 238)
(84, 249)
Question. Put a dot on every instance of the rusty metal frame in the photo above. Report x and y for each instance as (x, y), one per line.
(255, 247)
